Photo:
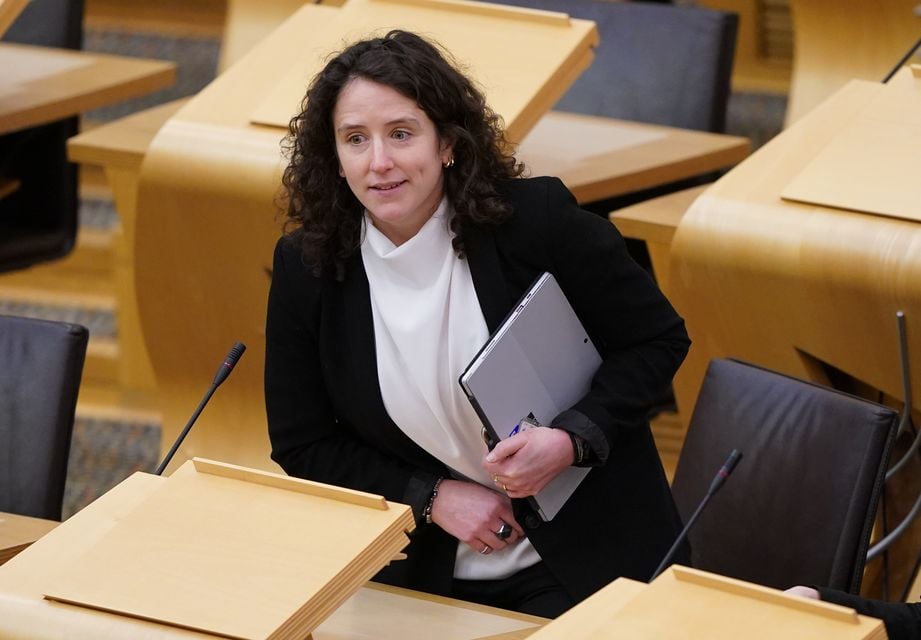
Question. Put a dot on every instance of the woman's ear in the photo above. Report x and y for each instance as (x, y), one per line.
(447, 152)
(341, 172)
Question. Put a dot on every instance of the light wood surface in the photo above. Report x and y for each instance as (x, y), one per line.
(9, 11)
(41, 84)
(18, 532)
(655, 220)
(783, 283)
(119, 148)
(375, 611)
(236, 552)
(871, 164)
(558, 48)
(835, 41)
(688, 603)
(600, 158)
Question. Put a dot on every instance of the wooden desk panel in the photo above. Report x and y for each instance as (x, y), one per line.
(41, 84)
(375, 611)
(601, 158)
(18, 532)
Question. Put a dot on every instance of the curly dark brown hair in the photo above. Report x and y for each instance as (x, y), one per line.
(321, 209)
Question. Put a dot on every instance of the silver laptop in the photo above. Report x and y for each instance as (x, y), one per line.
(537, 364)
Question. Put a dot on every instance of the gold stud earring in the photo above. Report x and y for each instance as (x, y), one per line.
(449, 163)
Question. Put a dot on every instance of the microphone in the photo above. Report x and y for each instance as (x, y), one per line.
(222, 372)
(718, 481)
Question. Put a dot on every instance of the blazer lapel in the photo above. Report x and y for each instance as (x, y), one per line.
(359, 325)
(488, 279)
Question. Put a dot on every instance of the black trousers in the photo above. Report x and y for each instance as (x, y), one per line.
(533, 591)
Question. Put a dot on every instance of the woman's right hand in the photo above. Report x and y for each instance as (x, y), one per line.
(473, 514)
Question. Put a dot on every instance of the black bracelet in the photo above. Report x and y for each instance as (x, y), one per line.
(578, 448)
(427, 514)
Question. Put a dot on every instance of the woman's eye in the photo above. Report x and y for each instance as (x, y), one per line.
(355, 138)
(400, 135)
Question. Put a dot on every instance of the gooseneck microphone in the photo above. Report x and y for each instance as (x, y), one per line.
(223, 371)
(734, 456)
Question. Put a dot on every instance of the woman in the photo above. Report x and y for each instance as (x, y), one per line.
(411, 236)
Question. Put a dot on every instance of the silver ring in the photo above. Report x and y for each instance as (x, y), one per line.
(486, 550)
(504, 531)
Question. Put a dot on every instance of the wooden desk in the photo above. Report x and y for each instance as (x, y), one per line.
(375, 611)
(601, 158)
(41, 84)
(18, 532)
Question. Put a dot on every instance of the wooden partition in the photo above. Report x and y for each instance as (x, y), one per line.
(794, 286)
(835, 41)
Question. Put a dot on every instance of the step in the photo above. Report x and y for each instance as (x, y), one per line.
(94, 311)
(85, 276)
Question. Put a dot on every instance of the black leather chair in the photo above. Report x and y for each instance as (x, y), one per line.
(656, 63)
(38, 220)
(40, 367)
(799, 508)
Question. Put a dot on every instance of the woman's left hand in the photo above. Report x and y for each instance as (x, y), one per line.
(523, 464)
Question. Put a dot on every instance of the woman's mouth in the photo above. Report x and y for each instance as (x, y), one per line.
(387, 186)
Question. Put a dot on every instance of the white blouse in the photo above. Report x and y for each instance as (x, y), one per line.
(427, 327)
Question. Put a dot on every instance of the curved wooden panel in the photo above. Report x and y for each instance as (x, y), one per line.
(205, 233)
(784, 284)
(835, 41)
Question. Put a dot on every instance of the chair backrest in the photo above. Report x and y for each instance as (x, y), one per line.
(656, 63)
(38, 221)
(40, 366)
(800, 506)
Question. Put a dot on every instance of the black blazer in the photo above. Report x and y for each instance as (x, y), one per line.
(327, 420)
(902, 619)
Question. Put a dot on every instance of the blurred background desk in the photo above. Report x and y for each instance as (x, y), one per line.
(18, 532)
(42, 84)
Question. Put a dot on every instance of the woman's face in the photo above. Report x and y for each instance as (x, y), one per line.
(391, 156)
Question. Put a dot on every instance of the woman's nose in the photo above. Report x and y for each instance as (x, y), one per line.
(380, 157)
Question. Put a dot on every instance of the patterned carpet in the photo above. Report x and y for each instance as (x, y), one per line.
(104, 452)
